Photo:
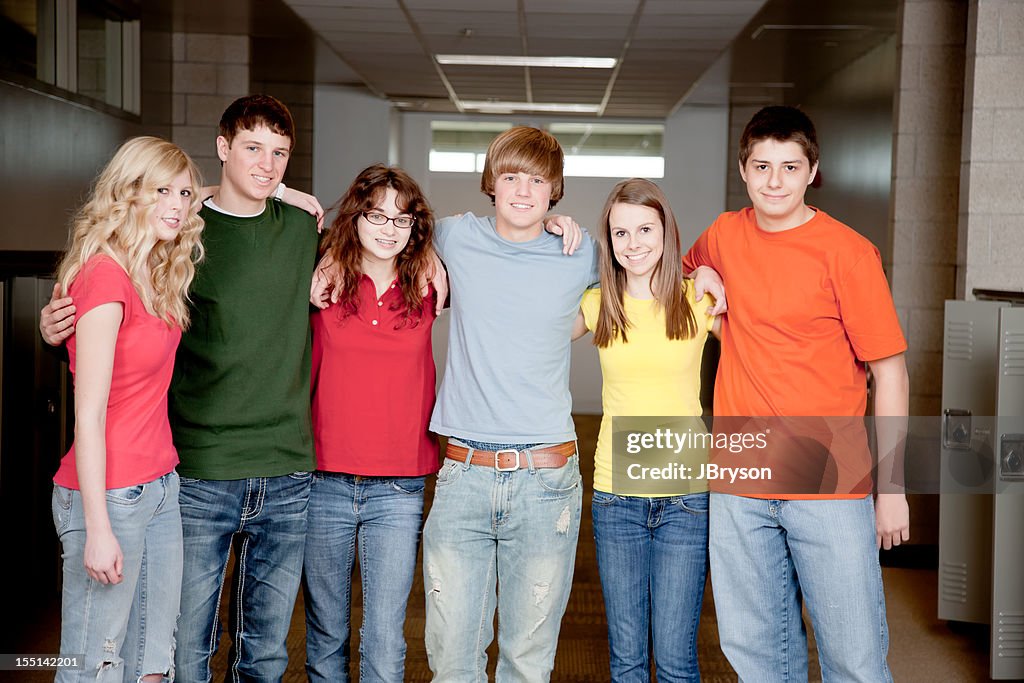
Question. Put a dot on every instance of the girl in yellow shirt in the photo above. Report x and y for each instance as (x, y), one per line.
(649, 508)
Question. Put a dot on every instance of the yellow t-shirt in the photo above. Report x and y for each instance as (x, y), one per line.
(650, 375)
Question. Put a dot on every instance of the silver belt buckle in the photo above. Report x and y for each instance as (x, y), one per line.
(497, 460)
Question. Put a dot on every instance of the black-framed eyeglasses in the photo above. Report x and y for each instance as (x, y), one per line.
(377, 218)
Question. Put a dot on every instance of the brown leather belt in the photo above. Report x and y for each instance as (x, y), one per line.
(508, 460)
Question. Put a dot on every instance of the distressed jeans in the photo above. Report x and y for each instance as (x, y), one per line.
(505, 540)
(125, 630)
(384, 514)
(766, 555)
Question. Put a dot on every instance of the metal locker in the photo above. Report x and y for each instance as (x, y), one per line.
(970, 353)
(1008, 515)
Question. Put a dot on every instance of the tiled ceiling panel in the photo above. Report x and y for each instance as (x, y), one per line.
(666, 46)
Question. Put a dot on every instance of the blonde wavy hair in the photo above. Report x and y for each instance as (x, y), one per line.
(115, 221)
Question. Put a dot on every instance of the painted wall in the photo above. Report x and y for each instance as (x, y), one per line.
(351, 130)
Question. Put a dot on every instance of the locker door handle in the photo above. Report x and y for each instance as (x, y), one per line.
(956, 429)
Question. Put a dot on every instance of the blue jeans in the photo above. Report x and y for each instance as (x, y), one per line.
(266, 519)
(652, 554)
(385, 514)
(766, 555)
(125, 630)
(510, 532)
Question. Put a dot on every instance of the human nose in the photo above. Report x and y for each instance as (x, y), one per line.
(522, 187)
(775, 177)
(389, 227)
(267, 160)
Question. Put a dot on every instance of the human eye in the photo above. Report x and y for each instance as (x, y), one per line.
(791, 167)
(187, 192)
(404, 222)
(376, 217)
(761, 167)
(618, 233)
(538, 180)
(252, 148)
(645, 228)
(162, 190)
(281, 153)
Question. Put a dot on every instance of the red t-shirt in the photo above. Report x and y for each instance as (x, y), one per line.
(373, 387)
(138, 435)
(807, 308)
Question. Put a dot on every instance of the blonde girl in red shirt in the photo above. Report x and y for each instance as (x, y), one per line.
(128, 266)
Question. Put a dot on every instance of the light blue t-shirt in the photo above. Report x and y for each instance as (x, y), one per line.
(506, 379)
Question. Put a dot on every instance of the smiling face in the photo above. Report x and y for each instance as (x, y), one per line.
(173, 203)
(521, 200)
(383, 243)
(638, 241)
(254, 164)
(777, 175)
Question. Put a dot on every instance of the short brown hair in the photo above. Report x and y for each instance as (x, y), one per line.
(252, 111)
(782, 124)
(524, 150)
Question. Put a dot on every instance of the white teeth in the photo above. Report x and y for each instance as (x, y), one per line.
(261, 179)
(522, 206)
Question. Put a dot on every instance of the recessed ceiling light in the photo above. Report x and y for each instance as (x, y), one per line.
(550, 107)
(523, 60)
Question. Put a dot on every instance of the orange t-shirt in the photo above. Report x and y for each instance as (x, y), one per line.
(808, 307)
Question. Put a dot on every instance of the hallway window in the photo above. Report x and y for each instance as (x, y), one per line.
(88, 47)
(595, 150)
(611, 150)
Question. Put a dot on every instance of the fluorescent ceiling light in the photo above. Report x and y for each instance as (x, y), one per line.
(522, 60)
(551, 107)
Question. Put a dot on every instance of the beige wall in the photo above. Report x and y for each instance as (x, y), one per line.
(926, 173)
(990, 252)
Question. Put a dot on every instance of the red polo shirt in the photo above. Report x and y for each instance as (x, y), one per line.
(373, 387)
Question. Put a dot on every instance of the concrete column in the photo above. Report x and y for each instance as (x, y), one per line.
(990, 252)
(925, 181)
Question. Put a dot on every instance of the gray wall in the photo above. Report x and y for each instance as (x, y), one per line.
(351, 130)
(51, 148)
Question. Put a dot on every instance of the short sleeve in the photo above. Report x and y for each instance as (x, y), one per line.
(867, 310)
(593, 276)
(591, 307)
(700, 308)
(442, 230)
(101, 281)
(700, 252)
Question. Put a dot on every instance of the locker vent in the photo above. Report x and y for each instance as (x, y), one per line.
(954, 582)
(959, 340)
(1010, 634)
(1013, 354)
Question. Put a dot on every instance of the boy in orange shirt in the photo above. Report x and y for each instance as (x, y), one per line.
(809, 307)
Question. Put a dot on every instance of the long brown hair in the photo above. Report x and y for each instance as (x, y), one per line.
(667, 283)
(342, 240)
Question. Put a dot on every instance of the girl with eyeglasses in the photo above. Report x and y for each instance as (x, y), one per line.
(651, 537)
(372, 396)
